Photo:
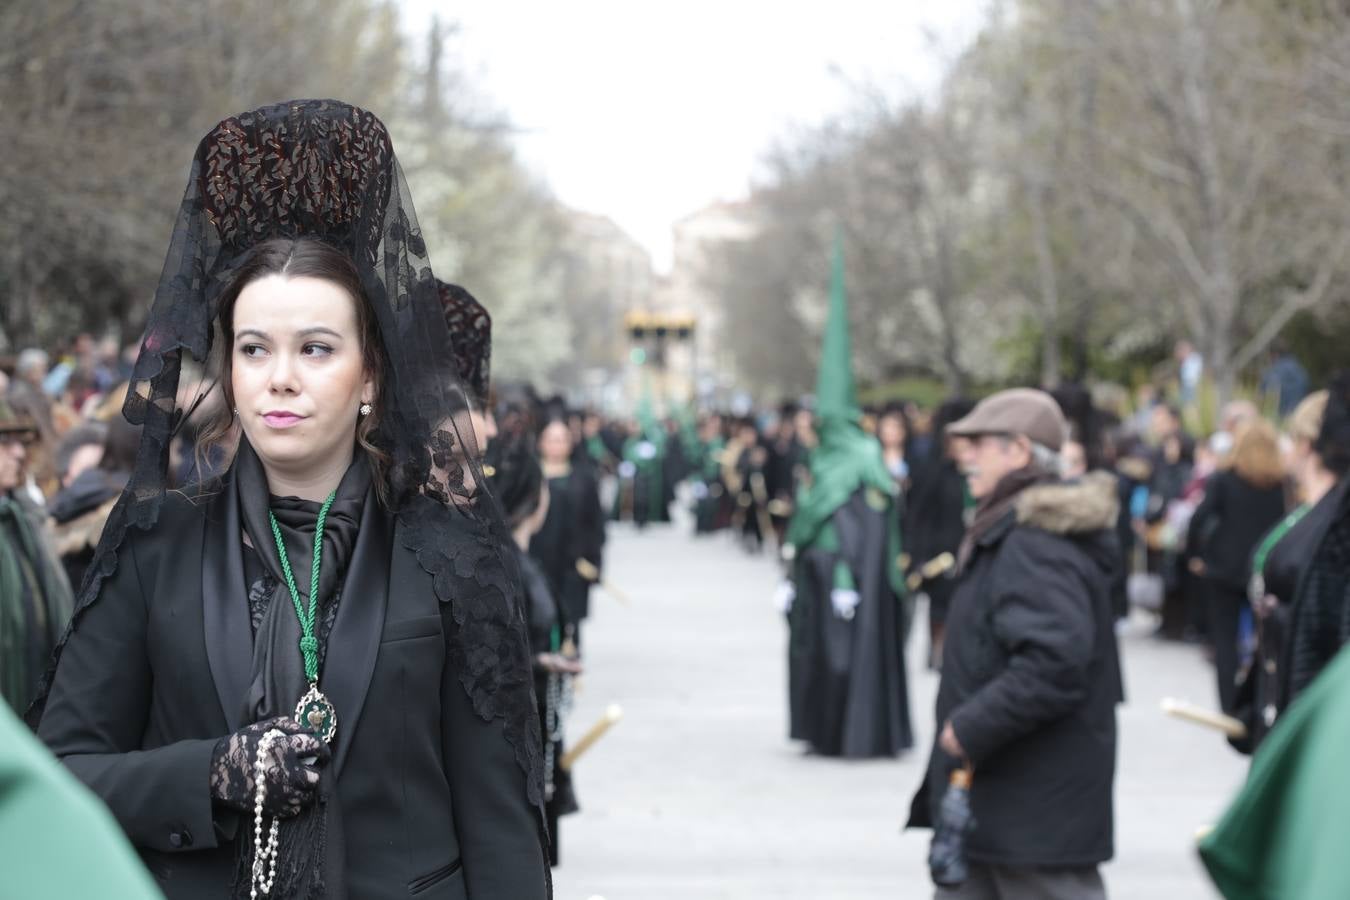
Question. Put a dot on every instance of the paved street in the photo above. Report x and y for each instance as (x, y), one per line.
(698, 794)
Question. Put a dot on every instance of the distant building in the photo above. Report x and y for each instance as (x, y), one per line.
(609, 274)
(687, 291)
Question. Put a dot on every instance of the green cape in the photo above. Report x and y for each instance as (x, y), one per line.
(59, 840)
(1283, 838)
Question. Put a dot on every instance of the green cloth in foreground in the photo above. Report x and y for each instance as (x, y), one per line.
(57, 840)
(1284, 837)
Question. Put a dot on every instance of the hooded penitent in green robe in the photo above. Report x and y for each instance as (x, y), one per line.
(1284, 837)
(847, 693)
(57, 841)
(646, 451)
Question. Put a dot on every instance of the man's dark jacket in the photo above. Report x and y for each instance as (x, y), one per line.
(1031, 679)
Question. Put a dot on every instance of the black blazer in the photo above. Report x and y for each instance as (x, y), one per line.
(434, 804)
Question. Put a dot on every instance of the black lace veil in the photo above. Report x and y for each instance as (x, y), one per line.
(471, 336)
(325, 169)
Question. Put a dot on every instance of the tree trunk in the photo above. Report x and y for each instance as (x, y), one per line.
(1049, 287)
(1219, 354)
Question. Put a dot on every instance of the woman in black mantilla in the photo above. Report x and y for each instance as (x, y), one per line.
(527, 501)
(310, 678)
(572, 536)
(1282, 558)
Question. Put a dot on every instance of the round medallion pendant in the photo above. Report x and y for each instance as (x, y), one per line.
(316, 712)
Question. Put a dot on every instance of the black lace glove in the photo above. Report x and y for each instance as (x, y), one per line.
(290, 768)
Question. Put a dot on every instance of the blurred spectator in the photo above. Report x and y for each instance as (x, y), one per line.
(1237, 413)
(1164, 526)
(79, 450)
(935, 521)
(1073, 461)
(1145, 399)
(35, 599)
(26, 396)
(1164, 421)
(107, 368)
(1320, 624)
(1285, 380)
(1279, 565)
(58, 372)
(893, 431)
(1190, 372)
(80, 509)
(1086, 421)
(1242, 502)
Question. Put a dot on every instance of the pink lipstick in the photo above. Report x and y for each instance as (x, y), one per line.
(281, 419)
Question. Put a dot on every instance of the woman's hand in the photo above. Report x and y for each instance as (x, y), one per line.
(559, 664)
(949, 744)
(289, 767)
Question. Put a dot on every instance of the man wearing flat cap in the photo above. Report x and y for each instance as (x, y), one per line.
(1030, 674)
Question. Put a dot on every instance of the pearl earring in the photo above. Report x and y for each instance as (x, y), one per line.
(365, 409)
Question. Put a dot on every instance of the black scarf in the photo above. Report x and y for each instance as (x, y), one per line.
(307, 867)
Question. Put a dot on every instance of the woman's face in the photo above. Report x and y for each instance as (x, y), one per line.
(555, 443)
(1172, 449)
(891, 432)
(297, 372)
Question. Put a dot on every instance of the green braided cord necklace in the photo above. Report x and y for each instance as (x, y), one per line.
(314, 709)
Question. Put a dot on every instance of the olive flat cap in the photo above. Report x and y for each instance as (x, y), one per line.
(1019, 411)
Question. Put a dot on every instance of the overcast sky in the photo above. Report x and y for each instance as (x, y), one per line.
(645, 112)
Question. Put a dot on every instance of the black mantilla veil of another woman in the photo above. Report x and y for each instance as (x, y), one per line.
(325, 169)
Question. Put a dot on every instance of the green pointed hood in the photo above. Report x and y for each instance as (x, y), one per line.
(836, 393)
(846, 458)
(649, 426)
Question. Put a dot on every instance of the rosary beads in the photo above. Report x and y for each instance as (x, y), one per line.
(264, 855)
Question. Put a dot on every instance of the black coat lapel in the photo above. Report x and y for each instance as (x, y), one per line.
(229, 636)
(354, 644)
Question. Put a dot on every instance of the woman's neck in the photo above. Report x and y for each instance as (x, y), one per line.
(313, 483)
(1316, 484)
(557, 469)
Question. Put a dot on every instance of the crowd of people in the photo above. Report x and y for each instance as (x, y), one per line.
(1192, 510)
(1030, 527)
(151, 574)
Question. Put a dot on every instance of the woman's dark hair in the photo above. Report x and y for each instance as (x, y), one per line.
(517, 479)
(119, 446)
(1085, 420)
(302, 257)
(1333, 440)
(947, 414)
(80, 436)
(897, 411)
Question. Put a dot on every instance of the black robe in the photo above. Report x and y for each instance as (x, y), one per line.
(573, 530)
(934, 524)
(848, 692)
(542, 613)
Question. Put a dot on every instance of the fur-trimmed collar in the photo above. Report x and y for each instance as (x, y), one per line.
(1072, 507)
